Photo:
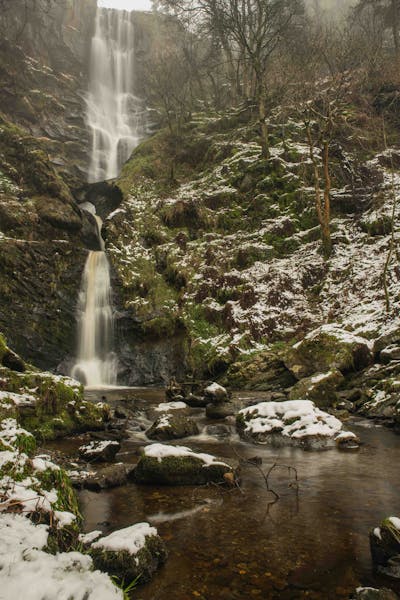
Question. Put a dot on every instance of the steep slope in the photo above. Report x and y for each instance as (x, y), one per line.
(231, 255)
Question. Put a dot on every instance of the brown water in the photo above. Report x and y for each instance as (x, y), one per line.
(239, 545)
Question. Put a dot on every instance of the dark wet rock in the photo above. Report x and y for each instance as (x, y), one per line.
(13, 361)
(172, 426)
(113, 433)
(320, 388)
(121, 412)
(375, 391)
(101, 451)
(136, 552)
(221, 411)
(265, 371)
(107, 477)
(369, 593)
(174, 391)
(387, 339)
(218, 430)
(390, 353)
(196, 401)
(325, 348)
(178, 465)
(385, 547)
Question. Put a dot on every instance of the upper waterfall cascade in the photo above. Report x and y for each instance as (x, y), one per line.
(114, 114)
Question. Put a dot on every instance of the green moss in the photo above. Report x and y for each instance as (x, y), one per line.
(66, 497)
(137, 567)
(178, 470)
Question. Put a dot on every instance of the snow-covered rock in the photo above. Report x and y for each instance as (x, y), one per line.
(100, 451)
(294, 422)
(170, 426)
(385, 547)
(326, 348)
(216, 393)
(179, 465)
(136, 552)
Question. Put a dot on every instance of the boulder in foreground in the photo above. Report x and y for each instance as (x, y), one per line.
(178, 465)
(136, 552)
(385, 547)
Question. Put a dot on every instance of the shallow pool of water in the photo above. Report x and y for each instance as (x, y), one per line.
(240, 544)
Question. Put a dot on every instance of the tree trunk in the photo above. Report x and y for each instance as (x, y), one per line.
(262, 115)
(325, 226)
(395, 28)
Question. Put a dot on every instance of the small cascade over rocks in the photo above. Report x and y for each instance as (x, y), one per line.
(115, 116)
(96, 364)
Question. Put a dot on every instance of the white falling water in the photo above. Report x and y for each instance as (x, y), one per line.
(114, 114)
(96, 365)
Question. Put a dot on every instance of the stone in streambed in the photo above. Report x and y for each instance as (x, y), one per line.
(195, 401)
(385, 547)
(221, 410)
(133, 553)
(170, 426)
(107, 477)
(178, 465)
(215, 393)
(290, 423)
(102, 451)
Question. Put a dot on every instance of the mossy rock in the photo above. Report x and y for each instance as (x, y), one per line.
(171, 426)
(179, 470)
(379, 225)
(128, 567)
(10, 359)
(320, 388)
(328, 347)
(384, 543)
(263, 371)
(59, 408)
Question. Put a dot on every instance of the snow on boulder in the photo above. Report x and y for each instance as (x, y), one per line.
(136, 552)
(216, 393)
(179, 465)
(326, 348)
(102, 451)
(29, 572)
(385, 547)
(294, 422)
(170, 426)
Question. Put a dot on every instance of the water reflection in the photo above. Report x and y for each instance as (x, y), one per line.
(233, 545)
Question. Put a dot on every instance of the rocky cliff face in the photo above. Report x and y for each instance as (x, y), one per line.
(43, 157)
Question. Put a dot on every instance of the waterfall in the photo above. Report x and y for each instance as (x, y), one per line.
(96, 364)
(117, 122)
(115, 116)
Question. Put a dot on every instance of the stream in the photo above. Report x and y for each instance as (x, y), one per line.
(242, 544)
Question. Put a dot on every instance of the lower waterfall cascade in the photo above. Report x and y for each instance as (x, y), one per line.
(96, 363)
